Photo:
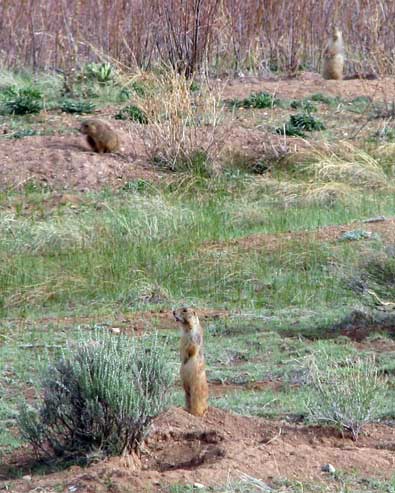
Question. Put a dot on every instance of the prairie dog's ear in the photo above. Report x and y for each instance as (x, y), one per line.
(194, 313)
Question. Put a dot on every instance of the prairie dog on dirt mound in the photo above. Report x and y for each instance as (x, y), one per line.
(334, 57)
(193, 373)
(100, 136)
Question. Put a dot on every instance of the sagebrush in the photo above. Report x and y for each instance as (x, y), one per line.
(101, 395)
(348, 393)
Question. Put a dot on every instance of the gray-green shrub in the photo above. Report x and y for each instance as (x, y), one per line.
(348, 394)
(101, 395)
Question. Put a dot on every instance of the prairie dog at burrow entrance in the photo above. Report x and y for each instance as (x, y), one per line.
(334, 57)
(100, 136)
(193, 373)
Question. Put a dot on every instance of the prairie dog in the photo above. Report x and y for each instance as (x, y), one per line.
(334, 57)
(100, 136)
(193, 373)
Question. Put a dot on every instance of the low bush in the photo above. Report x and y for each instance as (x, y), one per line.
(348, 394)
(300, 123)
(133, 113)
(100, 396)
(100, 72)
(22, 101)
(257, 100)
(74, 106)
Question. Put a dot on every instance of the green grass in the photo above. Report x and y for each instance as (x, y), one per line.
(115, 251)
(151, 247)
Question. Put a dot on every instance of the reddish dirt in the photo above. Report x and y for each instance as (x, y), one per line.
(66, 162)
(183, 449)
(310, 83)
(272, 242)
(127, 323)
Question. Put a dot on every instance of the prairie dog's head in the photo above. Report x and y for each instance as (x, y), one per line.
(186, 316)
(88, 127)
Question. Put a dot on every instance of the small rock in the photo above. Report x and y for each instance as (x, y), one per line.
(27, 477)
(73, 488)
(375, 219)
(358, 234)
(328, 468)
(199, 486)
(115, 330)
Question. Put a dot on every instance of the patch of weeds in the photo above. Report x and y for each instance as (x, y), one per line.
(386, 134)
(384, 111)
(74, 106)
(257, 100)
(348, 394)
(22, 101)
(138, 185)
(378, 271)
(299, 124)
(359, 104)
(304, 104)
(100, 72)
(133, 113)
(197, 163)
(325, 99)
(194, 87)
(101, 395)
(358, 234)
(20, 134)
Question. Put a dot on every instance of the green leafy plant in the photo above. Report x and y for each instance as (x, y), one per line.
(256, 100)
(323, 98)
(299, 123)
(22, 101)
(132, 112)
(101, 72)
(304, 104)
(73, 106)
(348, 394)
(20, 134)
(101, 395)
(307, 122)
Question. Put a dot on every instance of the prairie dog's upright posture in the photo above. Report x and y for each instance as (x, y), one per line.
(193, 373)
(334, 57)
(100, 136)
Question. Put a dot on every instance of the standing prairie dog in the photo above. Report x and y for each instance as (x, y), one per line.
(193, 373)
(334, 57)
(100, 136)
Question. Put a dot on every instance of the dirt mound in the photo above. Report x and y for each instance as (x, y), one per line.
(67, 162)
(310, 83)
(272, 242)
(184, 449)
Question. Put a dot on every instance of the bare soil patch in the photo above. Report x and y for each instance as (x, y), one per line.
(330, 234)
(310, 83)
(66, 162)
(183, 449)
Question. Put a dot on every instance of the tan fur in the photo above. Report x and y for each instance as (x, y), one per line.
(193, 373)
(100, 136)
(334, 57)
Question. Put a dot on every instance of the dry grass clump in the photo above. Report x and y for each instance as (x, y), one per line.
(183, 132)
(348, 394)
(343, 163)
(327, 194)
(291, 193)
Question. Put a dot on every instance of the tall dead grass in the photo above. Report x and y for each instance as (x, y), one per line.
(344, 163)
(218, 35)
(183, 131)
